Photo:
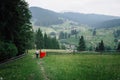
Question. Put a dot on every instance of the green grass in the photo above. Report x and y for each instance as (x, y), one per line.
(84, 66)
(26, 68)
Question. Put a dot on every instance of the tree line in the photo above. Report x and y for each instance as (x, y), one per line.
(65, 35)
(99, 48)
(43, 41)
(15, 28)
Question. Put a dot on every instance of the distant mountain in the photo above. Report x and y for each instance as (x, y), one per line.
(44, 17)
(89, 19)
(109, 23)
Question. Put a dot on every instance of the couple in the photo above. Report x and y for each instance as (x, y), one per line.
(41, 53)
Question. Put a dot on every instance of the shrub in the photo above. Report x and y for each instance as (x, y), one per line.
(11, 50)
(2, 51)
(7, 50)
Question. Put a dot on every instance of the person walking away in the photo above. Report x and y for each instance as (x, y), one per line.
(37, 53)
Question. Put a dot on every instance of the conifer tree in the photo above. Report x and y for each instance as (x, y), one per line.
(15, 26)
(39, 41)
(46, 44)
(118, 48)
(81, 45)
(56, 43)
(100, 46)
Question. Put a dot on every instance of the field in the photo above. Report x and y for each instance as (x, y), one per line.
(84, 66)
(25, 68)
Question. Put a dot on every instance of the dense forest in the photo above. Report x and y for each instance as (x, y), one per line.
(43, 41)
(15, 28)
(108, 24)
(43, 17)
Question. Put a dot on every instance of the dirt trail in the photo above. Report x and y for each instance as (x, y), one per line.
(43, 70)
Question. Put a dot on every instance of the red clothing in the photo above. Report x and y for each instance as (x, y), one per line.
(42, 54)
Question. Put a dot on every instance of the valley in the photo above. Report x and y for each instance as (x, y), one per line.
(92, 39)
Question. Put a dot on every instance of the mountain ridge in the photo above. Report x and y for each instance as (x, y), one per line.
(45, 17)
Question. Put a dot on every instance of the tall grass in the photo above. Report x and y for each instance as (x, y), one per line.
(25, 68)
(83, 67)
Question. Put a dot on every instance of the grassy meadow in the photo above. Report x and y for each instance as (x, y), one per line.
(85, 66)
(25, 68)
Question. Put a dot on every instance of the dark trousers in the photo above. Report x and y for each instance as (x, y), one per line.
(36, 55)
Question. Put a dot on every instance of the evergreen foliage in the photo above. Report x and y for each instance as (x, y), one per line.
(7, 50)
(45, 41)
(46, 46)
(116, 33)
(73, 32)
(61, 35)
(39, 39)
(118, 48)
(15, 26)
(81, 45)
(100, 47)
(44, 17)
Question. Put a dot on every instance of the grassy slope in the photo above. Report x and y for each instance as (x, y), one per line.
(25, 68)
(101, 34)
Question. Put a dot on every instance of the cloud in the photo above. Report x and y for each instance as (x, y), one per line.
(109, 7)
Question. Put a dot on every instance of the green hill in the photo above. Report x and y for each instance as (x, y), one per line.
(44, 17)
(109, 23)
(105, 27)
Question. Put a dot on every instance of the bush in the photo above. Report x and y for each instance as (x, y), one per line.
(7, 50)
(2, 51)
(11, 50)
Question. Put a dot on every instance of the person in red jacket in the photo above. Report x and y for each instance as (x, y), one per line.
(42, 54)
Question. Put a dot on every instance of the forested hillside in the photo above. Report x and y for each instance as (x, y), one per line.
(89, 19)
(44, 17)
(108, 24)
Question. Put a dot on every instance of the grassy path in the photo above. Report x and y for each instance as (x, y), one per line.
(25, 68)
(45, 76)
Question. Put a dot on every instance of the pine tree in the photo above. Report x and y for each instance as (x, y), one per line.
(45, 41)
(118, 48)
(39, 41)
(55, 43)
(100, 46)
(15, 26)
(81, 45)
(97, 48)
(46, 44)
(50, 43)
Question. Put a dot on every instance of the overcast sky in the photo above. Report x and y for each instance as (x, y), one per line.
(107, 7)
